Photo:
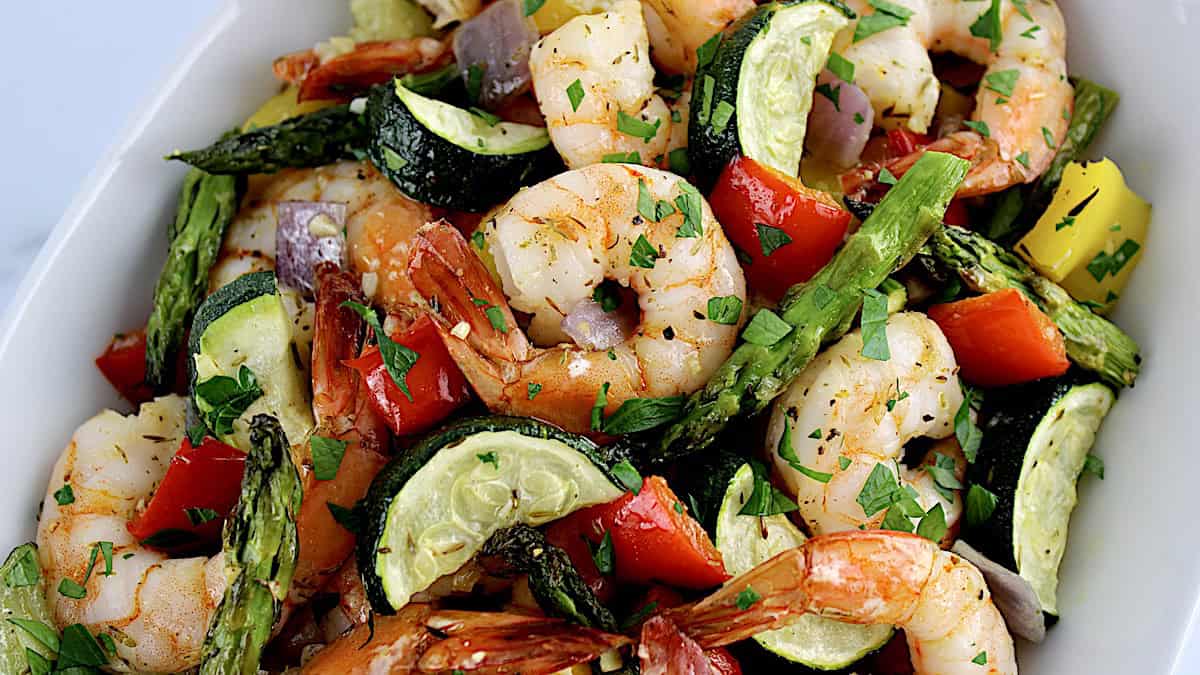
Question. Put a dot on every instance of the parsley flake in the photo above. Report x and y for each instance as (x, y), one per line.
(628, 476)
(747, 598)
(598, 407)
(766, 328)
(725, 310)
(489, 458)
(987, 26)
(770, 238)
(397, 358)
(643, 254)
(841, 67)
(64, 495)
(603, 555)
(788, 454)
(979, 127)
(533, 390)
(327, 456)
(874, 326)
(638, 128)
(575, 93)
(980, 504)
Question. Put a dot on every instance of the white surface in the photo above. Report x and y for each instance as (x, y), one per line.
(74, 78)
(1130, 579)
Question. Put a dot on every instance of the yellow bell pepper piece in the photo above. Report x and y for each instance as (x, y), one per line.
(282, 106)
(1091, 237)
(555, 13)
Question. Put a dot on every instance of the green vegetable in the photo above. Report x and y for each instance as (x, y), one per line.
(316, 139)
(820, 310)
(207, 204)
(397, 358)
(554, 581)
(764, 499)
(643, 414)
(426, 490)
(1019, 208)
(444, 155)
(1035, 446)
(747, 103)
(1093, 342)
(222, 399)
(327, 456)
(261, 546)
(25, 619)
(887, 15)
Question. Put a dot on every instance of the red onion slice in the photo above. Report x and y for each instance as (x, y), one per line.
(498, 41)
(591, 327)
(1013, 595)
(308, 233)
(838, 133)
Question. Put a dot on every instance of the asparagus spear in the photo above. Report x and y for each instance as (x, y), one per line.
(260, 547)
(1093, 342)
(554, 581)
(318, 138)
(1019, 208)
(821, 310)
(207, 205)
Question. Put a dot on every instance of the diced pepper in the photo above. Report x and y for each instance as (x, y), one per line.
(1091, 237)
(123, 364)
(1002, 338)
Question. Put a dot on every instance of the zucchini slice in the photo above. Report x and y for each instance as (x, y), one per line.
(746, 541)
(431, 509)
(1035, 443)
(23, 601)
(754, 96)
(446, 156)
(245, 323)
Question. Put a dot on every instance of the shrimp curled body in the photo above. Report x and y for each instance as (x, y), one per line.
(553, 244)
(847, 409)
(1024, 103)
(867, 577)
(156, 609)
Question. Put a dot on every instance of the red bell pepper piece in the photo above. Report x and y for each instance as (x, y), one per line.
(123, 364)
(653, 539)
(437, 384)
(809, 225)
(1002, 338)
(200, 489)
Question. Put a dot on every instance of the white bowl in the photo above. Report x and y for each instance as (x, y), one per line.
(1130, 579)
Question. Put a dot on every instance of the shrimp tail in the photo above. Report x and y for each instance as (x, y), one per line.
(460, 292)
(666, 650)
(490, 643)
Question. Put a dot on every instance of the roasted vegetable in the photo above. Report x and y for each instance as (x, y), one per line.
(1091, 236)
(23, 600)
(316, 139)
(1093, 342)
(260, 548)
(556, 584)
(1020, 207)
(821, 310)
(207, 205)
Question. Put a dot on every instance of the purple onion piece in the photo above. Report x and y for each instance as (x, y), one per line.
(498, 40)
(591, 327)
(838, 133)
(308, 233)
(1013, 595)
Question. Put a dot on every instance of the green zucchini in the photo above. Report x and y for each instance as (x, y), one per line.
(245, 328)
(753, 96)
(434, 506)
(316, 139)
(1036, 439)
(746, 541)
(23, 600)
(446, 156)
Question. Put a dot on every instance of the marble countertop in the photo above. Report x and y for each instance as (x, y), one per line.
(74, 79)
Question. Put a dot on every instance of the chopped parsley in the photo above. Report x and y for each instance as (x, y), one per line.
(858, 118)
(843, 462)
(834, 94)
(643, 254)
(643, 414)
(747, 598)
(1048, 136)
(887, 177)
(823, 295)
(725, 310)
(874, 326)
(706, 51)
(788, 454)
(981, 658)
(474, 82)
(933, 524)
(638, 128)
(628, 475)
(766, 328)
(350, 519)
(942, 470)
(622, 158)
(477, 239)
(532, 6)
(721, 116)
(1031, 34)
(1104, 264)
(25, 570)
(199, 515)
(64, 495)
(489, 458)
(223, 399)
(607, 295)
(598, 407)
(327, 456)
(765, 499)
(841, 67)
(1023, 159)
(678, 162)
(397, 358)
(1094, 465)
(489, 118)
(575, 93)
(707, 89)
(691, 204)
(980, 504)
(495, 316)
(815, 435)
(771, 239)
(1002, 81)
(987, 26)
(966, 431)
(887, 16)
(650, 209)
(69, 588)
(1063, 224)
(979, 127)
(603, 555)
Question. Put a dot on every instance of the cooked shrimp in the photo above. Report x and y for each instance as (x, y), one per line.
(608, 55)
(155, 609)
(390, 644)
(940, 600)
(679, 27)
(342, 410)
(553, 244)
(1025, 100)
(845, 407)
(380, 223)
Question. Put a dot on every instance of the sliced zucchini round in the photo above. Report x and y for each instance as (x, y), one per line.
(753, 97)
(746, 541)
(431, 509)
(1035, 444)
(446, 156)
